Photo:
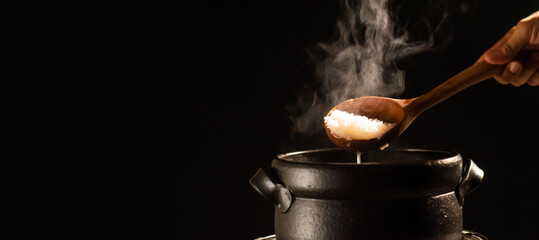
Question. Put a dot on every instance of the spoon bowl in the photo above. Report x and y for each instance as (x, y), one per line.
(385, 109)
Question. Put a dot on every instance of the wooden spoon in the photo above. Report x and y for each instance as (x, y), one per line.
(402, 112)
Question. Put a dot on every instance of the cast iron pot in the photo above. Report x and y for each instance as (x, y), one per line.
(392, 194)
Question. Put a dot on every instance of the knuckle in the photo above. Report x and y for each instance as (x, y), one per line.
(507, 49)
(501, 80)
(518, 83)
(522, 22)
(534, 38)
(507, 77)
(534, 79)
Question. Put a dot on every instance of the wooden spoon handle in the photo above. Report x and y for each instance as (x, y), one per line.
(476, 73)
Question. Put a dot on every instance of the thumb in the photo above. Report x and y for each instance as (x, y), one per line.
(508, 50)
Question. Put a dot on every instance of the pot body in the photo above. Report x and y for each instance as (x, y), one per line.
(433, 217)
(393, 194)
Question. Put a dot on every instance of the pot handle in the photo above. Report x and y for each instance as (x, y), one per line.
(276, 193)
(472, 176)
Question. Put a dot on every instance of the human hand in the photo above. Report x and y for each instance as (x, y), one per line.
(519, 48)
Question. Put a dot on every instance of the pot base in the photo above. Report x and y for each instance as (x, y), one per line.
(466, 235)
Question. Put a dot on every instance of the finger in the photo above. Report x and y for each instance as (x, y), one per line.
(510, 72)
(498, 44)
(529, 67)
(534, 79)
(509, 49)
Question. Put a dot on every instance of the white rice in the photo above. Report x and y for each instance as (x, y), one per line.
(355, 127)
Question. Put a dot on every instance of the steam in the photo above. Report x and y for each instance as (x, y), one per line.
(358, 67)
(360, 62)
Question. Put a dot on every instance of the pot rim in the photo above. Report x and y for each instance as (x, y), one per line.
(430, 176)
(455, 157)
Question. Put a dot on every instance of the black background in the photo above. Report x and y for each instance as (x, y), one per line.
(243, 64)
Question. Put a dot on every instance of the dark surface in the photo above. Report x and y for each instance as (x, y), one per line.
(242, 63)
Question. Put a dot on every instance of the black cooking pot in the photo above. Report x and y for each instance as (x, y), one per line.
(392, 194)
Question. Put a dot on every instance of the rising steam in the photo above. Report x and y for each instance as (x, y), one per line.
(361, 62)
